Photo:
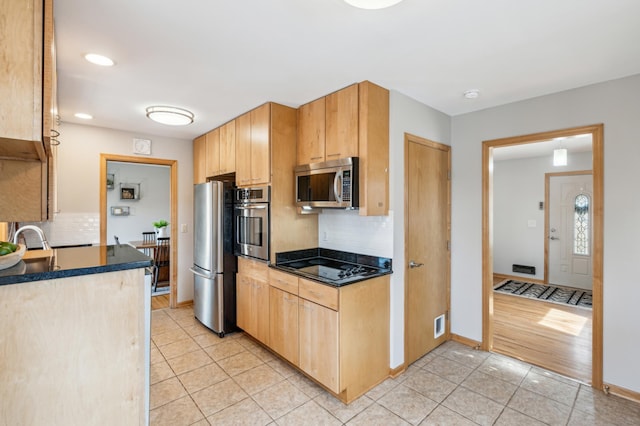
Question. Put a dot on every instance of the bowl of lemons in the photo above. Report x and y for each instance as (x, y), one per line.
(10, 254)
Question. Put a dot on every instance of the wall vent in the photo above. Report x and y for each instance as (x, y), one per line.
(524, 269)
(438, 326)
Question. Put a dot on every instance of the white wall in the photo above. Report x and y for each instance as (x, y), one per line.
(384, 236)
(153, 204)
(79, 180)
(518, 188)
(616, 105)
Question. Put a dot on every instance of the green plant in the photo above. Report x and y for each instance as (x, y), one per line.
(160, 223)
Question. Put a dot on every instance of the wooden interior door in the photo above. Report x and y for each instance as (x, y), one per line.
(427, 230)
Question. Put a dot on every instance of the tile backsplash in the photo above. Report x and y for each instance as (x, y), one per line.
(66, 229)
(345, 230)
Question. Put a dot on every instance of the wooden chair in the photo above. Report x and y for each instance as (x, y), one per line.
(161, 259)
(148, 237)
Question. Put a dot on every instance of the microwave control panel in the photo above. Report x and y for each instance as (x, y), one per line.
(346, 186)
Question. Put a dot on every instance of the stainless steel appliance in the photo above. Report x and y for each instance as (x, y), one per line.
(331, 184)
(214, 264)
(252, 222)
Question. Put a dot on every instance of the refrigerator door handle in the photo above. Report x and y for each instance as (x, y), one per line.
(200, 274)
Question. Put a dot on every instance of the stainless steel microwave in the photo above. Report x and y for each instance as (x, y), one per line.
(331, 184)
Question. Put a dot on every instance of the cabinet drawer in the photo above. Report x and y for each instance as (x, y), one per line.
(319, 293)
(283, 281)
(253, 268)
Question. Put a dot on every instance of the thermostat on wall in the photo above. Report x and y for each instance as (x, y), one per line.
(142, 146)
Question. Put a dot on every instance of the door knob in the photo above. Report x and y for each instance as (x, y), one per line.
(413, 264)
(554, 238)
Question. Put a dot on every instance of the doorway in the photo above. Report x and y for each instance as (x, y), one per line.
(173, 165)
(596, 132)
(427, 235)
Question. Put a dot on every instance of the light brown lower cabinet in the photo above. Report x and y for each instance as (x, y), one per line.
(338, 336)
(319, 349)
(283, 324)
(252, 306)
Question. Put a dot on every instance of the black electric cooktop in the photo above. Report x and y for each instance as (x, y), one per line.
(331, 266)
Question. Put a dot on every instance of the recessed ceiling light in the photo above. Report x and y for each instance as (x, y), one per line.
(101, 60)
(171, 116)
(372, 4)
(83, 115)
(471, 94)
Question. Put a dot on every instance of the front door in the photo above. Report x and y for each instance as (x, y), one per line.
(427, 231)
(569, 236)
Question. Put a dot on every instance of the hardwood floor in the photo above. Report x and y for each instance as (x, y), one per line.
(159, 302)
(550, 335)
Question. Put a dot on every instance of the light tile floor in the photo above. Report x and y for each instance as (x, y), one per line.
(199, 379)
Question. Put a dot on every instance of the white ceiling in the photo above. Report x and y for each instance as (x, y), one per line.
(573, 145)
(220, 58)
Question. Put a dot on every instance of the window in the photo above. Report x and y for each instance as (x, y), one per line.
(581, 225)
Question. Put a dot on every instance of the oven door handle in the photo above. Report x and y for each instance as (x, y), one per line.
(337, 187)
(258, 207)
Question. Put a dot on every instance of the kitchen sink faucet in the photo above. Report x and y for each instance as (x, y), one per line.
(43, 239)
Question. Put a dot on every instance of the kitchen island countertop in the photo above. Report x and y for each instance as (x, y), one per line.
(75, 261)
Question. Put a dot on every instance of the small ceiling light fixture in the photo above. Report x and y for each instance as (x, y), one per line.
(171, 116)
(101, 60)
(471, 94)
(560, 157)
(372, 4)
(83, 115)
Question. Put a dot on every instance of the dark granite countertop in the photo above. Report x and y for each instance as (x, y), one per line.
(293, 262)
(72, 262)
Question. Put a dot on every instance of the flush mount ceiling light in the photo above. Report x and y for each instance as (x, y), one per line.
(83, 115)
(560, 157)
(471, 94)
(372, 4)
(171, 116)
(101, 60)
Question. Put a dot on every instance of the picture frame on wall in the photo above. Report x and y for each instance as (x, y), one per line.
(130, 191)
(110, 181)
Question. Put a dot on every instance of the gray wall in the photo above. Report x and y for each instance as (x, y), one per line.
(154, 202)
(613, 103)
(518, 187)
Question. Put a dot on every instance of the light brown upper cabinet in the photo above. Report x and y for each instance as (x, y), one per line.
(373, 149)
(311, 132)
(342, 123)
(243, 149)
(24, 80)
(212, 153)
(328, 127)
(28, 105)
(352, 122)
(199, 159)
(228, 148)
(253, 148)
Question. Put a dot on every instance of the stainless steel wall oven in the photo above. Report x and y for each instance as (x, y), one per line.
(251, 214)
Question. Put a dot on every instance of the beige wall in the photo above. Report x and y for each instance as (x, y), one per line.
(78, 180)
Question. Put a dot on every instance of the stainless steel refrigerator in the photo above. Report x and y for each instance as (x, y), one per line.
(214, 264)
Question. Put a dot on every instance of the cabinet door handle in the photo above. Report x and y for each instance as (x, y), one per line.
(316, 158)
(333, 155)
